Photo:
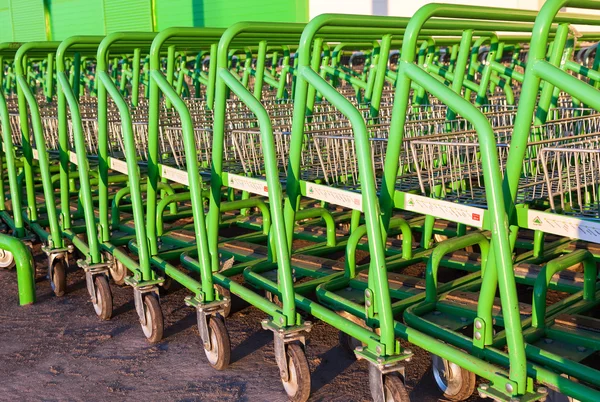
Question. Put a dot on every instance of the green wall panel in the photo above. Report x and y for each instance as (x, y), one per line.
(28, 20)
(129, 15)
(75, 17)
(6, 28)
(223, 13)
(172, 13)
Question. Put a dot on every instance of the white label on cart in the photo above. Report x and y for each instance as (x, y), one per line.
(335, 196)
(254, 186)
(564, 226)
(176, 175)
(470, 216)
(35, 153)
(118, 165)
(73, 157)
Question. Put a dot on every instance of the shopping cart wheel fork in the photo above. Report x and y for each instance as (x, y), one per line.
(147, 305)
(213, 332)
(96, 279)
(290, 355)
(57, 268)
(386, 383)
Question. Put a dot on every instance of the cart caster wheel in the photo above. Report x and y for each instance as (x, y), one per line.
(347, 342)
(166, 286)
(118, 272)
(394, 388)
(59, 277)
(225, 293)
(7, 259)
(455, 382)
(273, 298)
(104, 303)
(220, 352)
(153, 330)
(298, 384)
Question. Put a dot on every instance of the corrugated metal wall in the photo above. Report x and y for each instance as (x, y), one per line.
(27, 20)
(6, 26)
(71, 17)
(172, 13)
(225, 13)
(129, 15)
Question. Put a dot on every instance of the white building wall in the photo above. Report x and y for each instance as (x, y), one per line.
(316, 7)
(407, 8)
(403, 8)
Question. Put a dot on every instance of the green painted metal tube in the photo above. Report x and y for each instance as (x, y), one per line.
(446, 247)
(25, 268)
(272, 175)
(326, 216)
(540, 289)
(160, 83)
(82, 163)
(9, 155)
(318, 311)
(27, 99)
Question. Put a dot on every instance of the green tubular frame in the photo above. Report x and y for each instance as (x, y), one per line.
(287, 294)
(66, 97)
(226, 80)
(159, 84)
(106, 87)
(303, 98)
(515, 180)
(25, 268)
(500, 256)
(15, 222)
(27, 101)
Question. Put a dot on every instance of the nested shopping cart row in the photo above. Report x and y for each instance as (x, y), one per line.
(205, 158)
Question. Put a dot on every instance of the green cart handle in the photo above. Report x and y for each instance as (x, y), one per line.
(107, 87)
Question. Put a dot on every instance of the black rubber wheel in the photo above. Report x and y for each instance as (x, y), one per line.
(273, 298)
(104, 303)
(7, 259)
(219, 354)
(59, 277)
(298, 384)
(347, 342)
(395, 391)
(166, 286)
(455, 382)
(118, 272)
(153, 330)
(225, 293)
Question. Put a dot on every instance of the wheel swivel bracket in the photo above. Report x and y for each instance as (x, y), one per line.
(91, 271)
(54, 254)
(203, 311)
(283, 336)
(380, 366)
(138, 299)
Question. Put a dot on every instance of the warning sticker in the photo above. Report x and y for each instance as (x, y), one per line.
(470, 216)
(561, 225)
(73, 157)
(249, 184)
(335, 196)
(118, 165)
(176, 175)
